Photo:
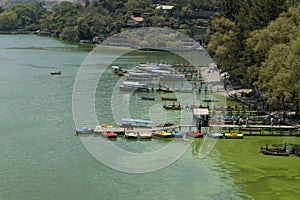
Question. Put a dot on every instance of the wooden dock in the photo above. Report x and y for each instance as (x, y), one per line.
(262, 130)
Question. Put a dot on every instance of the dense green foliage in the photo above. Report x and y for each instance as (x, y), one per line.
(89, 18)
(258, 43)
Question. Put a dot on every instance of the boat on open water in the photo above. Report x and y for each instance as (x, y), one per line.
(84, 131)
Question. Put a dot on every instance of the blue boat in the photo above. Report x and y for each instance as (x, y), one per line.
(177, 134)
(214, 134)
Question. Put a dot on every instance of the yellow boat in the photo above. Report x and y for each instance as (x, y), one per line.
(104, 126)
(162, 134)
(233, 135)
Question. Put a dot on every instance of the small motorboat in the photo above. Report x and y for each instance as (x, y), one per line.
(214, 134)
(233, 135)
(109, 134)
(148, 98)
(145, 135)
(56, 72)
(178, 134)
(162, 134)
(195, 134)
(131, 135)
(84, 130)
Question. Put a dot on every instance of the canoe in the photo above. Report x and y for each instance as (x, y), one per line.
(84, 130)
(195, 134)
(145, 135)
(131, 135)
(233, 135)
(109, 134)
(162, 134)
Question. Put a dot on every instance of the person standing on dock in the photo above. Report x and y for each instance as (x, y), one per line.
(279, 122)
(247, 122)
(272, 121)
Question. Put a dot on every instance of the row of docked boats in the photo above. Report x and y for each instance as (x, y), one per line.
(147, 134)
(143, 87)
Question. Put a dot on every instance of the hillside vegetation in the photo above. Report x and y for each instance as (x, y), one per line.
(257, 42)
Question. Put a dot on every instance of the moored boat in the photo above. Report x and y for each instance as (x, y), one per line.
(214, 134)
(178, 134)
(195, 134)
(162, 134)
(145, 135)
(133, 86)
(109, 134)
(84, 130)
(233, 135)
(131, 135)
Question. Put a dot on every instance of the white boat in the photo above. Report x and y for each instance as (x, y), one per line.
(147, 67)
(141, 76)
(131, 135)
(145, 135)
(133, 86)
(172, 77)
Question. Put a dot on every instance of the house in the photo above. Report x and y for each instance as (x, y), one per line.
(134, 21)
(164, 9)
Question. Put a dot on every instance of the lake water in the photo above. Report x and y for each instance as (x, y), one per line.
(41, 158)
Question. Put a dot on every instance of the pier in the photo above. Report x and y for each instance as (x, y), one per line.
(253, 130)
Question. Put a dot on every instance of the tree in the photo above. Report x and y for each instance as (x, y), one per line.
(8, 21)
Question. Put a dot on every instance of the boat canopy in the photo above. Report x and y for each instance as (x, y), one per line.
(115, 67)
(136, 120)
(200, 111)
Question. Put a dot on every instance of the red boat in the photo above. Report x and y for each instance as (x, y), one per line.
(195, 134)
(109, 134)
